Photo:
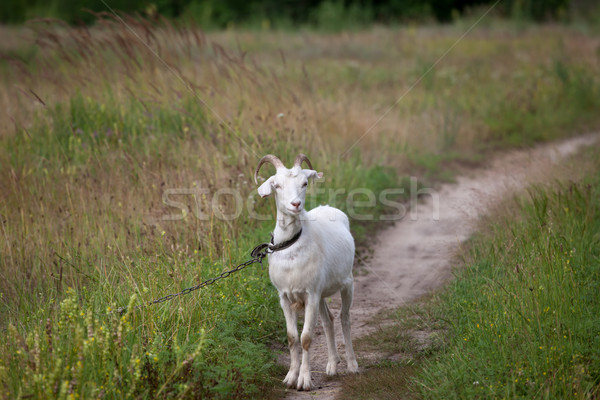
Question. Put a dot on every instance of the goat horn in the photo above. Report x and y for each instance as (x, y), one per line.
(269, 158)
(300, 158)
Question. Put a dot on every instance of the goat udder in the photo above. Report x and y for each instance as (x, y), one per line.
(298, 305)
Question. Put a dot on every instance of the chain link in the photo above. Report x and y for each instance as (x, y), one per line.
(258, 254)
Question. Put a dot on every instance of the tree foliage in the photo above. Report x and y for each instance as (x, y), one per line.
(223, 13)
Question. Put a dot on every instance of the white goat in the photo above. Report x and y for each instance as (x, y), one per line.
(312, 259)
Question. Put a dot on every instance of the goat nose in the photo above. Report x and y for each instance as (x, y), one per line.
(296, 203)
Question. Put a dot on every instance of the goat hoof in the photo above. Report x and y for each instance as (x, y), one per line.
(290, 379)
(353, 367)
(331, 368)
(304, 382)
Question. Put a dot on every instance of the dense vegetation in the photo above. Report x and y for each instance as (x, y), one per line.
(321, 13)
(522, 316)
(520, 319)
(124, 147)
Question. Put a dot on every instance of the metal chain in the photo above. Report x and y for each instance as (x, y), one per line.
(258, 254)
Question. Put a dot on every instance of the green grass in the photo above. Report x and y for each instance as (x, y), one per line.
(520, 319)
(87, 251)
(95, 132)
(536, 109)
(522, 314)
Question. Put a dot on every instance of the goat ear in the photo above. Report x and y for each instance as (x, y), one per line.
(265, 189)
(310, 174)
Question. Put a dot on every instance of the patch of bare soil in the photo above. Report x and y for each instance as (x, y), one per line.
(412, 257)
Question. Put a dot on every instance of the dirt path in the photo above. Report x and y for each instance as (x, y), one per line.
(413, 257)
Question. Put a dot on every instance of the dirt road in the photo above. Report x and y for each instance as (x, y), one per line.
(413, 257)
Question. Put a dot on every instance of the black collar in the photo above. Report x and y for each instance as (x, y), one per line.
(286, 244)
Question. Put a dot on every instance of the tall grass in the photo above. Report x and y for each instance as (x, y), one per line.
(522, 315)
(520, 318)
(115, 143)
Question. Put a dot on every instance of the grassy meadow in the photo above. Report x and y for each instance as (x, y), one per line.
(521, 318)
(126, 158)
(523, 314)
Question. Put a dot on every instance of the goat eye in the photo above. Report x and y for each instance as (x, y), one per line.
(305, 184)
(277, 186)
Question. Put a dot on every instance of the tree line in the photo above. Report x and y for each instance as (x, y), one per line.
(286, 13)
